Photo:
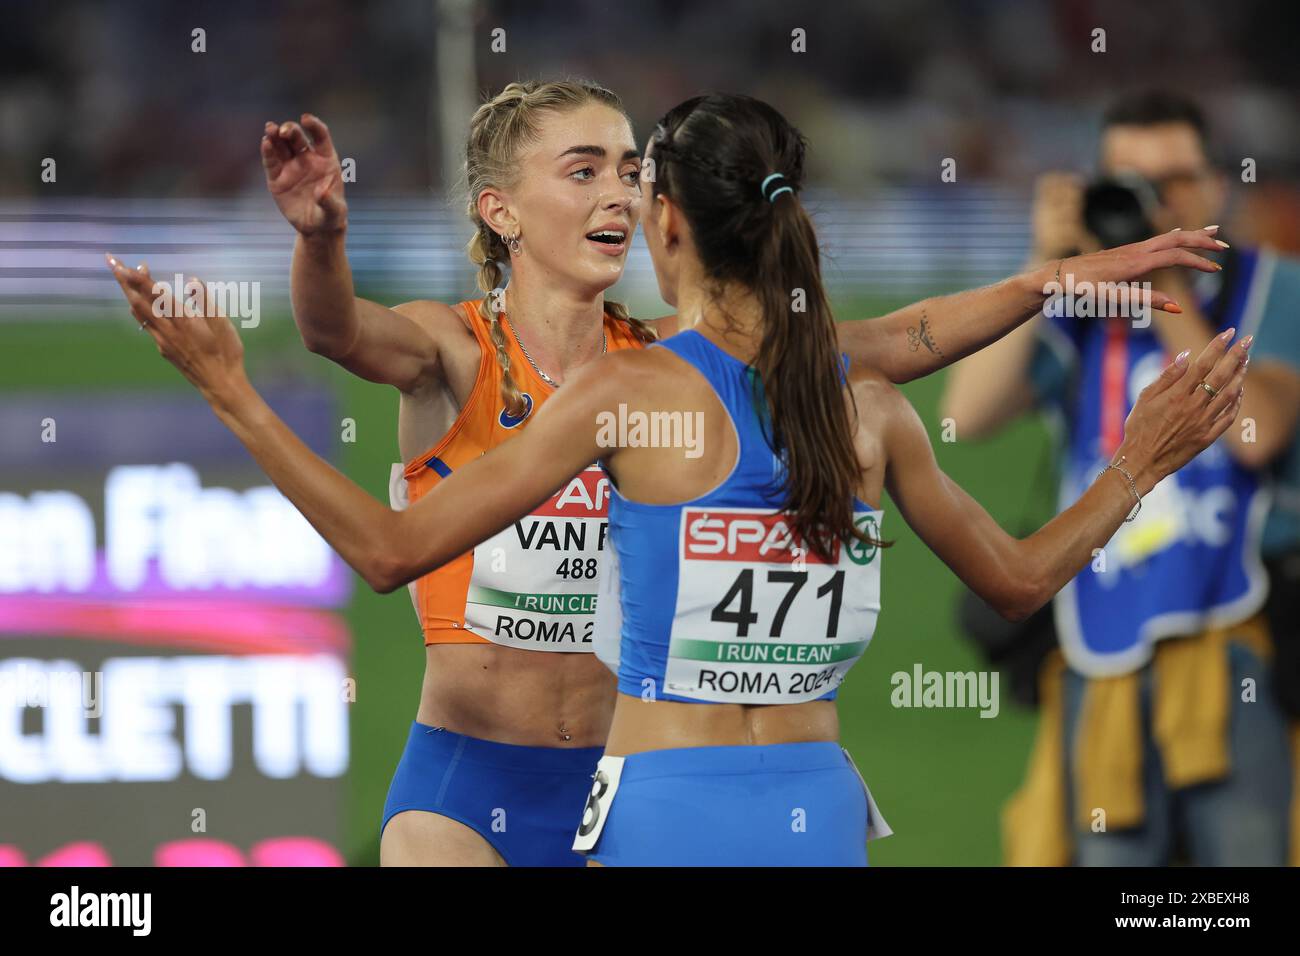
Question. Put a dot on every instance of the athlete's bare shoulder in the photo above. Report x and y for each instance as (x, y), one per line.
(438, 319)
(880, 405)
(458, 349)
(636, 368)
(636, 377)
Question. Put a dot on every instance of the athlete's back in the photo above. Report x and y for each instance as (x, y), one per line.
(711, 597)
(714, 598)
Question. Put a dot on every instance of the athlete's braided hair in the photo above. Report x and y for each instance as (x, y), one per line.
(498, 133)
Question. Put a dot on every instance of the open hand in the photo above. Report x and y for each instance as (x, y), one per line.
(304, 175)
(1132, 262)
(1176, 417)
(188, 330)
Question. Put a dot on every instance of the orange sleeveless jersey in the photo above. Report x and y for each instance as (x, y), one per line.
(534, 584)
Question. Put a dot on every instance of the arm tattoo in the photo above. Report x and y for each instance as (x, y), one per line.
(925, 336)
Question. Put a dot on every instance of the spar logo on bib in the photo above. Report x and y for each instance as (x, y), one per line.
(750, 537)
(585, 495)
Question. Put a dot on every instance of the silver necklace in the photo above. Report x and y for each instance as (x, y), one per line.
(604, 347)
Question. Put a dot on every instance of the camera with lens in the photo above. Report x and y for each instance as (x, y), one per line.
(1120, 209)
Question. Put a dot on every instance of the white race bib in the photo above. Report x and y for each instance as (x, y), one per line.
(760, 620)
(534, 584)
(604, 784)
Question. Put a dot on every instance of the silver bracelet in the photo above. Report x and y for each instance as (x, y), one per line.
(1131, 484)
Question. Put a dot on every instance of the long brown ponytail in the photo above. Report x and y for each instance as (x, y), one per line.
(734, 165)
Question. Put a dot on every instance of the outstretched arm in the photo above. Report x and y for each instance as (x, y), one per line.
(396, 346)
(388, 548)
(935, 332)
(1173, 421)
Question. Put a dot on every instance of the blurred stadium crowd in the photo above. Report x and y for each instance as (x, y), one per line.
(884, 90)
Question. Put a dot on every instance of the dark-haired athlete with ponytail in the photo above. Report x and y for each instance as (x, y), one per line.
(747, 570)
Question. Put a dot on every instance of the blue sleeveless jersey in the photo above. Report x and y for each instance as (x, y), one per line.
(713, 600)
(1190, 560)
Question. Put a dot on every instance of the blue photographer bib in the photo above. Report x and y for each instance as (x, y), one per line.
(1190, 559)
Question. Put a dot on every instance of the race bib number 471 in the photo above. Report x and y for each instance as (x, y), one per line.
(760, 619)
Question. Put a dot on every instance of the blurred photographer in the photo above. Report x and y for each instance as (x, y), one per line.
(1164, 731)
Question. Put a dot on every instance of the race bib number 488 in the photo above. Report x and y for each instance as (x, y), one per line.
(534, 584)
(761, 619)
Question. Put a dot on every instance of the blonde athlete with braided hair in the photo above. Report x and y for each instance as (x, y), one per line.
(514, 708)
(513, 711)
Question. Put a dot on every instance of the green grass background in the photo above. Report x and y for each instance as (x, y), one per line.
(939, 776)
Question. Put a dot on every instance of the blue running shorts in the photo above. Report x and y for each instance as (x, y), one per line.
(525, 801)
(801, 804)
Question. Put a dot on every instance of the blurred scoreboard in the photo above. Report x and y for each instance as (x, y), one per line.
(174, 670)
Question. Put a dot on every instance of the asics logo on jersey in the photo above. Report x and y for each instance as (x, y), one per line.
(510, 421)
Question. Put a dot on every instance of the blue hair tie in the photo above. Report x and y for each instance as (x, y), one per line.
(784, 189)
